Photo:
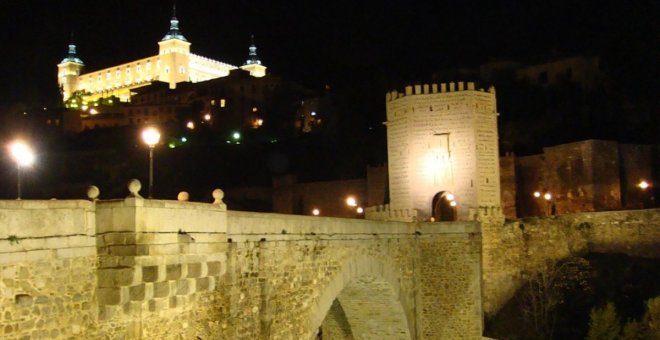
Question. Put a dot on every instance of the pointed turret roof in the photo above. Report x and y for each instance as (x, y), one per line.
(174, 32)
(252, 57)
(71, 56)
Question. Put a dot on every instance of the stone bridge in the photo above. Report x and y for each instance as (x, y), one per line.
(154, 269)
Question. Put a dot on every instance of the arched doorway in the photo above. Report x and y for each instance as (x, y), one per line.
(443, 207)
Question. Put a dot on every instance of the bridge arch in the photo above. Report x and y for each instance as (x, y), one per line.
(364, 299)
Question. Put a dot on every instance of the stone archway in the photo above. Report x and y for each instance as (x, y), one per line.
(362, 302)
(442, 208)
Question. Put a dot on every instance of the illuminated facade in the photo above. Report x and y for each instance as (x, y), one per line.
(442, 154)
(173, 64)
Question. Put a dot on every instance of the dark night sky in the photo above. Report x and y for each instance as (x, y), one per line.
(388, 43)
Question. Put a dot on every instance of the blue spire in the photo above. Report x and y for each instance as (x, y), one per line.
(174, 32)
(252, 57)
(71, 56)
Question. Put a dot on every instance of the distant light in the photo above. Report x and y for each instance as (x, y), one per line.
(45, 109)
(171, 145)
(260, 122)
(537, 194)
(151, 136)
(24, 113)
(449, 196)
(313, 113)
(547, 196)
(190, 125)
(643, 185)
(222, 103)
(93, 111)
(316, 212)
(207, 117)
(254, 109)
(452, 203)
(359, 210)
(22, 153)
(351, 202)
(84, 107)
(236, 135)
(184, 139)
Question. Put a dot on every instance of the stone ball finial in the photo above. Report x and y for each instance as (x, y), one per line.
(183, 196)
(218, 195)
(134, 187)
(93, 192)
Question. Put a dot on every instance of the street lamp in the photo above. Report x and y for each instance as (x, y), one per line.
(151, 136)
(23, 156)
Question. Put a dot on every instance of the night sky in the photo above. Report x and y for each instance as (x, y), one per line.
(384, 43)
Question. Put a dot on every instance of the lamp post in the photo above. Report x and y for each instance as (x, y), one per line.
(151, 136)
(23, 156)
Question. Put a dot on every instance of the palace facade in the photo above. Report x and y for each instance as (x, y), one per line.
(173, 64)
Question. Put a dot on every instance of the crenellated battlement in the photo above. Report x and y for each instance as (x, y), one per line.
(425, 89)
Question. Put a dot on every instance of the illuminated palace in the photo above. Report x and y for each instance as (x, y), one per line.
(173, 64)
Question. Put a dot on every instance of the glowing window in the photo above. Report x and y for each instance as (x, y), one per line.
(222, 103)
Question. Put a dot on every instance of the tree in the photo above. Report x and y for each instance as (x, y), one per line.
(604, 323)
(546, 289)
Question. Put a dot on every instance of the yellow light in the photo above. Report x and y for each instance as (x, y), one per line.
(22, 153)
(351, 202)
(260, 122)
(449, 196)
(537, 194)
(547, 196)
(222, 103)
(207, 117)
(190, 125)
(84, 107)
(151, 136)
(254, 109)
(643, 185)
(316, 212)
(452, 203)
(359, 210)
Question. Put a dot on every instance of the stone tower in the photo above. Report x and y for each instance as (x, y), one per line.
(174, 51)
(68, 71)
(442, 154)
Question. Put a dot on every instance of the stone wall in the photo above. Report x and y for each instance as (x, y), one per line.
(153, 269)
(47, 270)
(511, 248)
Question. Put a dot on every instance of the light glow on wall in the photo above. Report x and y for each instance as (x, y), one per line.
(316, 212)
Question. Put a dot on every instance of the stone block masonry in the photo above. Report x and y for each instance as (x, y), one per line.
(152, 269)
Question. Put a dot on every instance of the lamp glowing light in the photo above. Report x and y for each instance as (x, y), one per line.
(449, 196)
(151, 137)
(24, 157)
(316, 212)
(207, 117)
(452, 203)
(351, 202)
(236, 135)
(190, 125)
(359, 210)
(537, 194)
(547, 196)
(643, 185)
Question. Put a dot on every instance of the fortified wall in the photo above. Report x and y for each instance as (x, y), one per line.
(155, 269)
(515, 248)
